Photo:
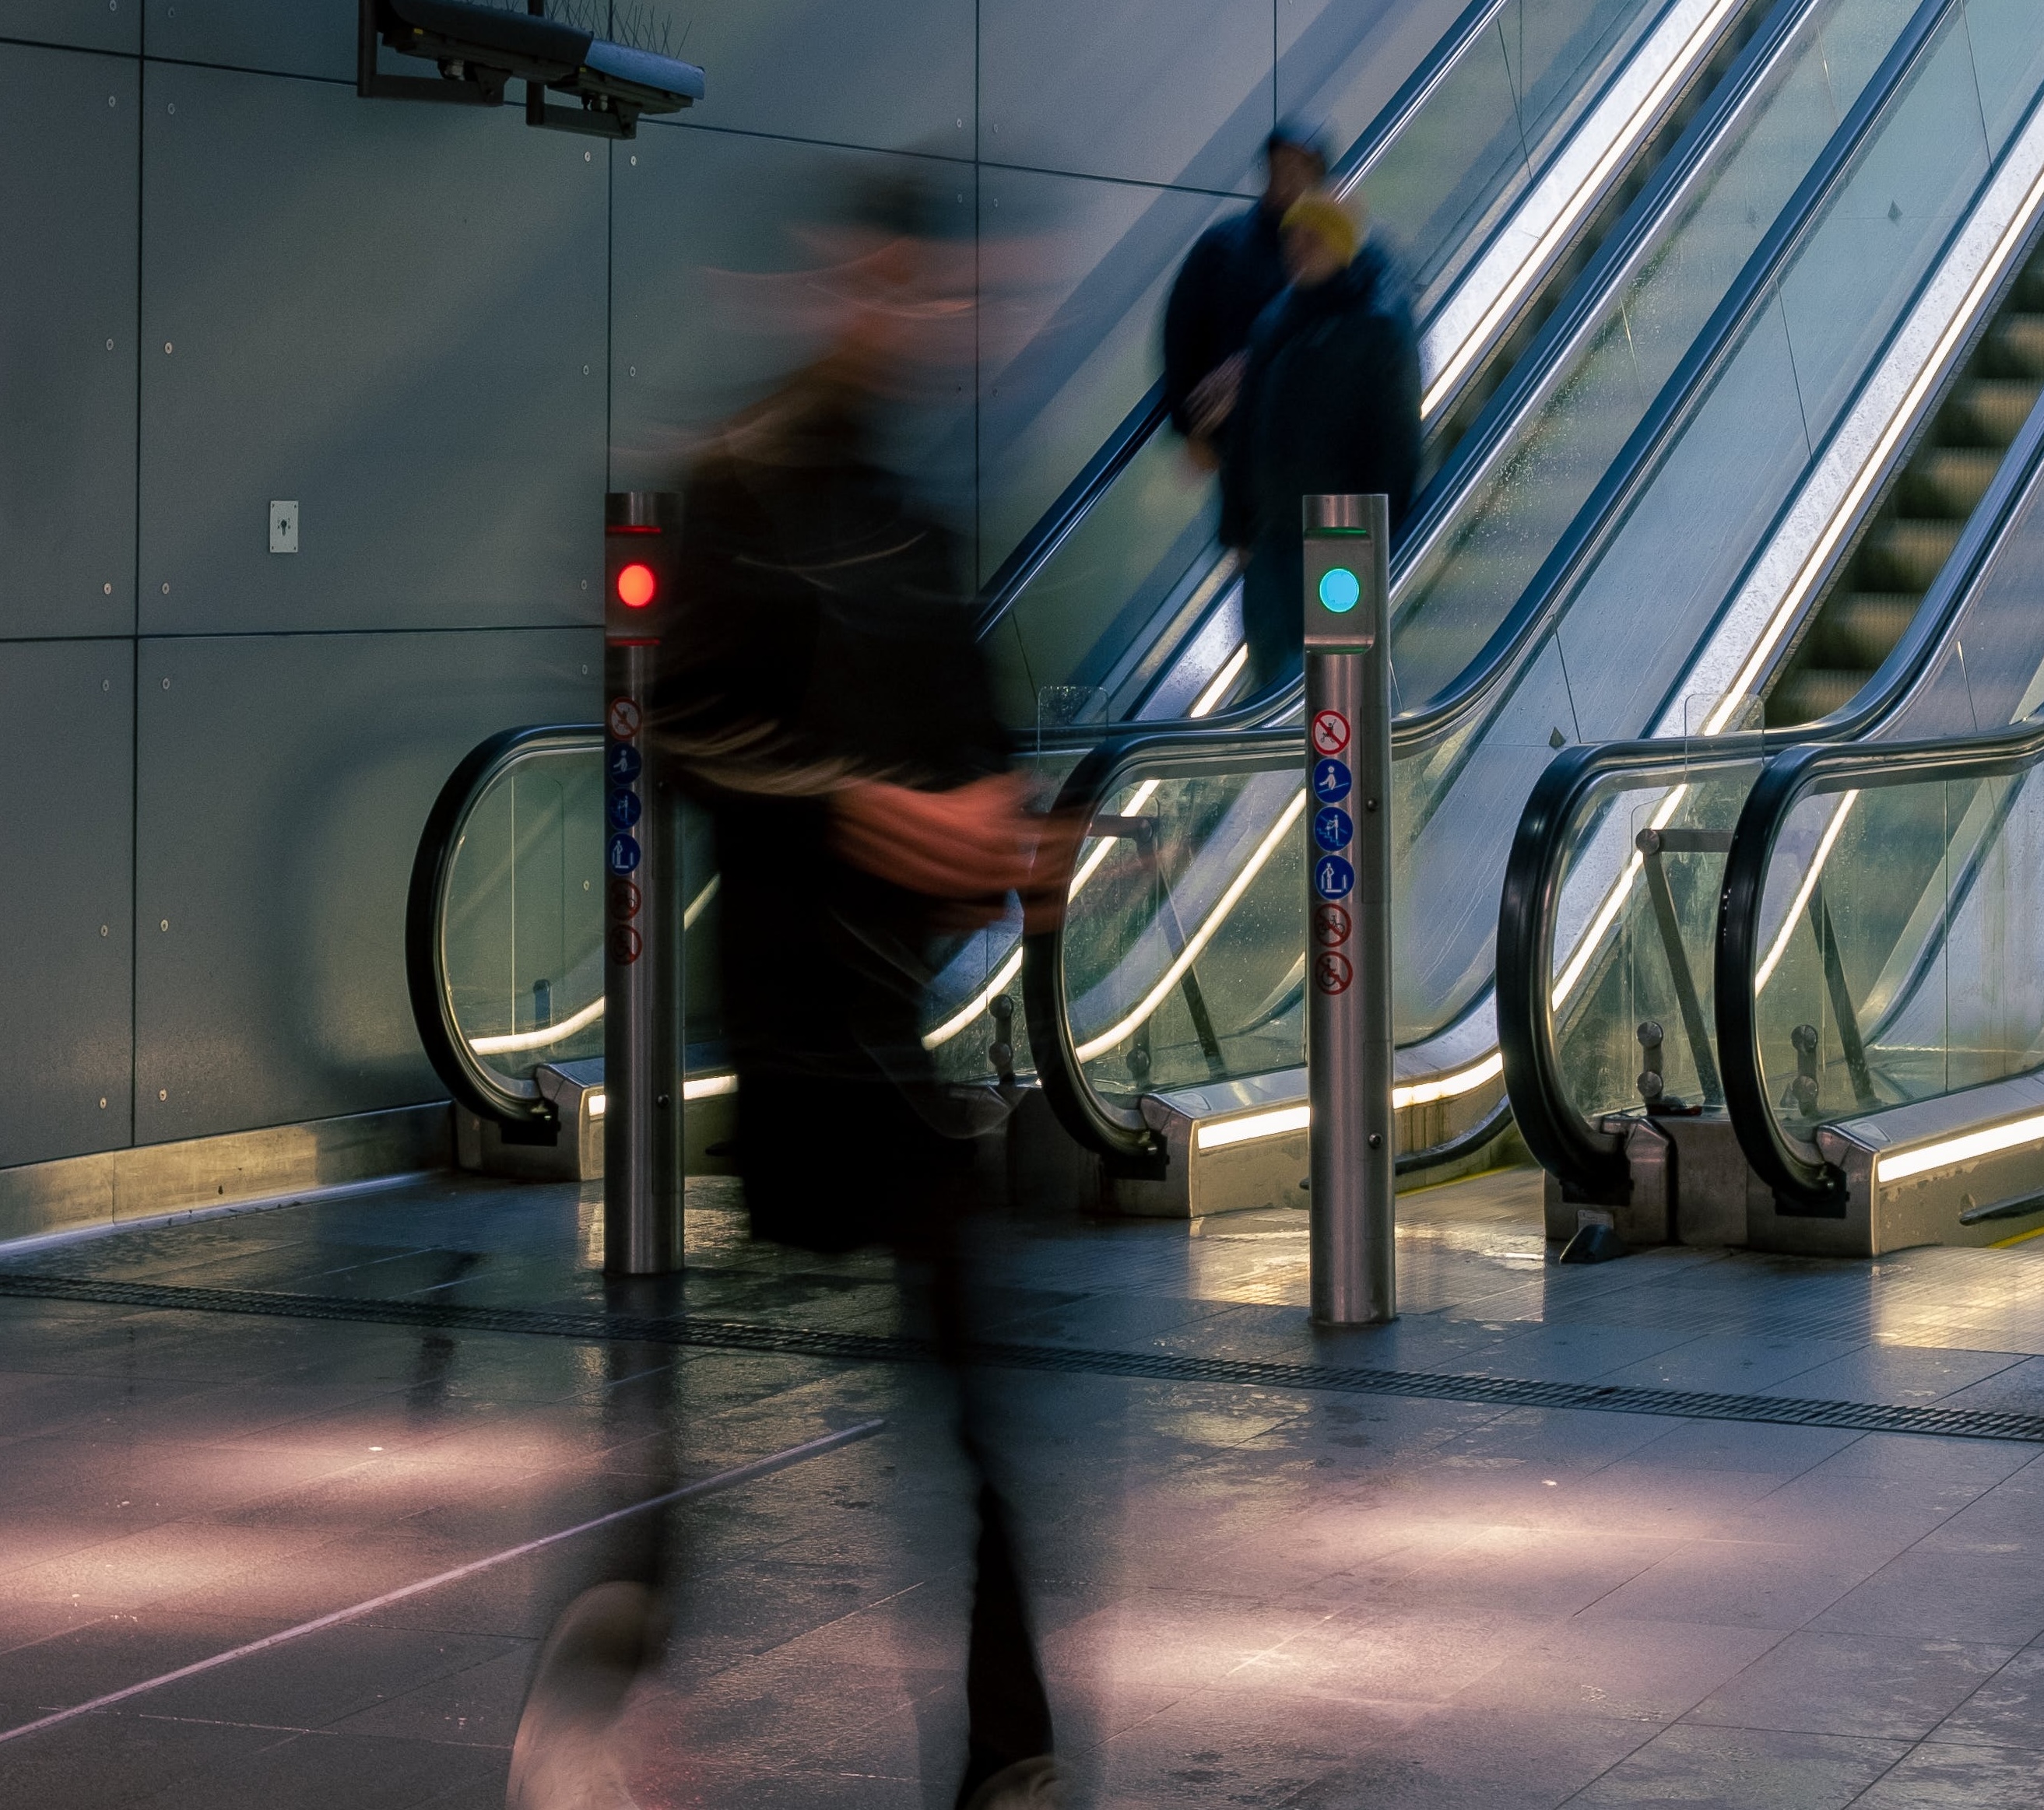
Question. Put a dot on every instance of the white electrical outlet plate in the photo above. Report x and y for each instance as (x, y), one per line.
(283, 527)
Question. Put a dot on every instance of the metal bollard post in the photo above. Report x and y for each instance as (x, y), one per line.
(642, 1130)
(1348, 1014)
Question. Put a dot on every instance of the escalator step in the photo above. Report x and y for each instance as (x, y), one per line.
(1812, 691)
(1907, 554)
(1989, 411)
(1948, 481)
(2015, 347)
(1860, 629)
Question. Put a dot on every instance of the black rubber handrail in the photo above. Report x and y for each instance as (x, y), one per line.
(1787, 778)
(471, 1081)
(1587, 1162)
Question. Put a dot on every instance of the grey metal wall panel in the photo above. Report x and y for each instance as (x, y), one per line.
(1070, 354)
(1339, 61)
(67, 715)
(87, 24)
(1148, 90)
(893, 78)
(706, 227)
(282, 782)
(67, 147)
(391, 315)
(290, 37)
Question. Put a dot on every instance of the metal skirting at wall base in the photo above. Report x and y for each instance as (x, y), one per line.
(151, 1181)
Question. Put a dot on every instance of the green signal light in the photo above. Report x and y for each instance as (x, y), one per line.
(1339, 590)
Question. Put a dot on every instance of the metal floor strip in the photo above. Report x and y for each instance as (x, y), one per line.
(869, 1347)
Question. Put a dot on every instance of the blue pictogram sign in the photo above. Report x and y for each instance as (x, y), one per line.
(624, 852)
(1333, 878)
(1331, 781)
(624, 808)
(1331, 827)
(623, 762)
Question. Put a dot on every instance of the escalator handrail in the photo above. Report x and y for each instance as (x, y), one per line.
(1587, 1162)
(1609, 505)
(1119, 1133)
(1787, 778)
(472, 1083)
(1056, 523)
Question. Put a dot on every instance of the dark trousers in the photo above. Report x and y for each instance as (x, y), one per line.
(1273, 613)
(832, 1165)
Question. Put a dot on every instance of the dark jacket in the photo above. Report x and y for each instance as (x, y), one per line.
(1329, 404)
(822, 635)
(1229, 278)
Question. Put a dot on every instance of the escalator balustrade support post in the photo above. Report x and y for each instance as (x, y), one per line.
(642, 968)
(1354, 1231)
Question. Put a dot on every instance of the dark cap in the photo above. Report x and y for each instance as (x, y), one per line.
(1294, 133)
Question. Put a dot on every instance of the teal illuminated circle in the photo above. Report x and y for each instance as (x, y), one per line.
(1339, 590)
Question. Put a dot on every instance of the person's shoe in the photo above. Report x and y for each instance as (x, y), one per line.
(1027, 1784)
(565, 1757)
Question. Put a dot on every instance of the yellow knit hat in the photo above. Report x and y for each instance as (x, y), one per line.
(1321, 214)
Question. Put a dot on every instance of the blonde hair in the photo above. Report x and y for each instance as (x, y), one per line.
(1320, 214)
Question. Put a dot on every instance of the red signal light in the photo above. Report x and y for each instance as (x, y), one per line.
(636, 585)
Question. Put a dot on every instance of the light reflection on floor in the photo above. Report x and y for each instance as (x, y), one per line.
(1246, 1596)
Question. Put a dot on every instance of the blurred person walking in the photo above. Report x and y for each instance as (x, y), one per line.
(825, 698)
(1231, 275)
(1329, 406)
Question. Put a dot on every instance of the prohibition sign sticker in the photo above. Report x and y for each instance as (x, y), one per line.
(1330, 926)
(1330, 732)
(625, 944)
(624, 718)
(623, 900)
(1332, 971)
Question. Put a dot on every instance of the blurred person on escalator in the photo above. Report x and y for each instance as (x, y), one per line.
(1329, 406)
(824, 697)
(1232, 273)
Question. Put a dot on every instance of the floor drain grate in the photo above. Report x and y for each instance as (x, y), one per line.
(868, 1348)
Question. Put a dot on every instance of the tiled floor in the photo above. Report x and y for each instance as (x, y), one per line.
(1247, 1596)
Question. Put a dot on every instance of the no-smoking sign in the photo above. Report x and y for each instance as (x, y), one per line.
(1330, 732)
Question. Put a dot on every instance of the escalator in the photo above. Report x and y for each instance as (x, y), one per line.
(1762, 98)
(1168, 1016)
(1616, 921)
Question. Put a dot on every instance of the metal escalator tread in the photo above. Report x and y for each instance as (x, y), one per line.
(1877, 594)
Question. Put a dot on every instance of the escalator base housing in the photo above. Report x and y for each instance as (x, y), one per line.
(1691, 1184)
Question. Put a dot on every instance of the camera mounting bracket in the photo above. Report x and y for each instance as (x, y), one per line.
(481, 50)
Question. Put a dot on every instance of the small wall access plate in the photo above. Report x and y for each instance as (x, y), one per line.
(283, 527)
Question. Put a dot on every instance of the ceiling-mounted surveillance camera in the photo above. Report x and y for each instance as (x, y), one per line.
(481, 49)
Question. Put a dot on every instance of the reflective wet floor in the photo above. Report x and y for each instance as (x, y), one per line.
(1247, 1594)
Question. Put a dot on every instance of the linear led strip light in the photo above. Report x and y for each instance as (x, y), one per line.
(1280, 1120)
(1949, 1152)
(1800, 902)
(702, 1088)
(1561, 198)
